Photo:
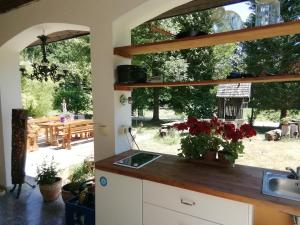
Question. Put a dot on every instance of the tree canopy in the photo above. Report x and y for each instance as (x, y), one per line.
(275, 56)
(72, 55)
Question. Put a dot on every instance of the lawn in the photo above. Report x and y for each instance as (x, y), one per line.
(258, 151)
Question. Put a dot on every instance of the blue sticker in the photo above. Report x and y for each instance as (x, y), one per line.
(103, 181)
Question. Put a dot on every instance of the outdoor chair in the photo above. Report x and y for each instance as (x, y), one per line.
(32, 137)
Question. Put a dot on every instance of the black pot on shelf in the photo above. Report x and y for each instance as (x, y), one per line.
(128, 74)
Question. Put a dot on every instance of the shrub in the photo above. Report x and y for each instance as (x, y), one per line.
(37, 97)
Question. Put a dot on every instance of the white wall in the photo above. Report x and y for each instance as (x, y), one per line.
(110, 22)
(10, 88)
(2, 161)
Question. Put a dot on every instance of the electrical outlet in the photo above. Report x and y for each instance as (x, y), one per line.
(123, 130)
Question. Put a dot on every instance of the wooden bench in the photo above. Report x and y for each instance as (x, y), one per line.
(33, 130)
(40, 120)
(32, 137)
(76, 129)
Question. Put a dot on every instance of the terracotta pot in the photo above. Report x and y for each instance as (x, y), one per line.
(51, 192)
(210, 156)
(222, 159)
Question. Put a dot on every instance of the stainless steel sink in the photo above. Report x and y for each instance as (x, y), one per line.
(278, 185)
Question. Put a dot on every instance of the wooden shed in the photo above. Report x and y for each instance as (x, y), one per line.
(232, 99)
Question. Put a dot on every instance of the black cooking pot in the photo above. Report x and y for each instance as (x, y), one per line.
(131, 74)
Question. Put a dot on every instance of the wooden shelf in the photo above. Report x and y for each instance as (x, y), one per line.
(249, 34)
(264, 79)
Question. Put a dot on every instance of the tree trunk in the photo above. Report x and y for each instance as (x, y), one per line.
(283, 113)
(140, 112)
(156, 92)
(252, 117)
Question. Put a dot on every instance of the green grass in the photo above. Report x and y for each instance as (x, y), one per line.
(258, 151)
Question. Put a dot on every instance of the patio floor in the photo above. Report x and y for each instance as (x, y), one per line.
(30, 209)
(64, 159)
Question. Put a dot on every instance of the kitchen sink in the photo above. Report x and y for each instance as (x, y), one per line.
(279, 185)
(138, 160)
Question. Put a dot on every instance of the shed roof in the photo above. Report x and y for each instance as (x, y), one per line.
(242, 90)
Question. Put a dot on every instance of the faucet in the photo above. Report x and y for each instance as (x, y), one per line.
(295, 175)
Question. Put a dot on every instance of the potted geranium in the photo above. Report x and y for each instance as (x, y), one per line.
(206, 139)
(48, 181)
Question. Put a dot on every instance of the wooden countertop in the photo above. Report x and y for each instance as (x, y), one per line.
(240, 183)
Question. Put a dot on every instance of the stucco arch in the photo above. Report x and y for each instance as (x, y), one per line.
(10, 85)
(110, 23)
(142, 13)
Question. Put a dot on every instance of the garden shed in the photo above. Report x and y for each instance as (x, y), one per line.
(232, 99)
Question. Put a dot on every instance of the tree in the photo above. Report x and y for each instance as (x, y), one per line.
(275, 55)
(150, 98)
(37, 97)
(185, 65)
(76, 92)
(196, 101)
(74, 56)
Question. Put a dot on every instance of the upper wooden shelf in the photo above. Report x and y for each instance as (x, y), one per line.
(264, 79)
(248, 34)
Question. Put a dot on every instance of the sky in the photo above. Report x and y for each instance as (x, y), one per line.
(240, 8)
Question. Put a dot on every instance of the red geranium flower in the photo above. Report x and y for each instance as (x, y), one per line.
(247, 130)
(180, 126)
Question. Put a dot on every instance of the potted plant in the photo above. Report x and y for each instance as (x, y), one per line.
(80, 174)
(48, 181)
(232, 143)
(203, 139)
(206, 139)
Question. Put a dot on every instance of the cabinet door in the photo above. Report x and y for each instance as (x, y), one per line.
(207, 207)
(154, 215)
(118, 199)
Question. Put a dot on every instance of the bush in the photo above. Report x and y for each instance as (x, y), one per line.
(37, 97)
(81, 173)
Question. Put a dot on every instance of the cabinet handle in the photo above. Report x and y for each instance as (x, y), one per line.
(187, 202)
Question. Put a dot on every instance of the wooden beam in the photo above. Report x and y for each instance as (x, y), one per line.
(264, 79)
(249, 34)
(161, 31)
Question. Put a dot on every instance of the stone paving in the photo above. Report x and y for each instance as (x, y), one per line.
(63, 158)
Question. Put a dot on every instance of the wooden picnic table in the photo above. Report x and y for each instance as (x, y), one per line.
(52, 129)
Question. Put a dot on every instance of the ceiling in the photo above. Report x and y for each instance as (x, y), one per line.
(196, 5)
(7, 5)
(60, 36)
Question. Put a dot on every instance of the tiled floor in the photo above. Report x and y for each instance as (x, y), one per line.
(30, 209)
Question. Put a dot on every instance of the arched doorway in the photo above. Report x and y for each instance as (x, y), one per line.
(10, 87)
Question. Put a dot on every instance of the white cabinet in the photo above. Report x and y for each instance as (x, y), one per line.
(154, 215)
(123, 200)
(214, 209)
(118, 199)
